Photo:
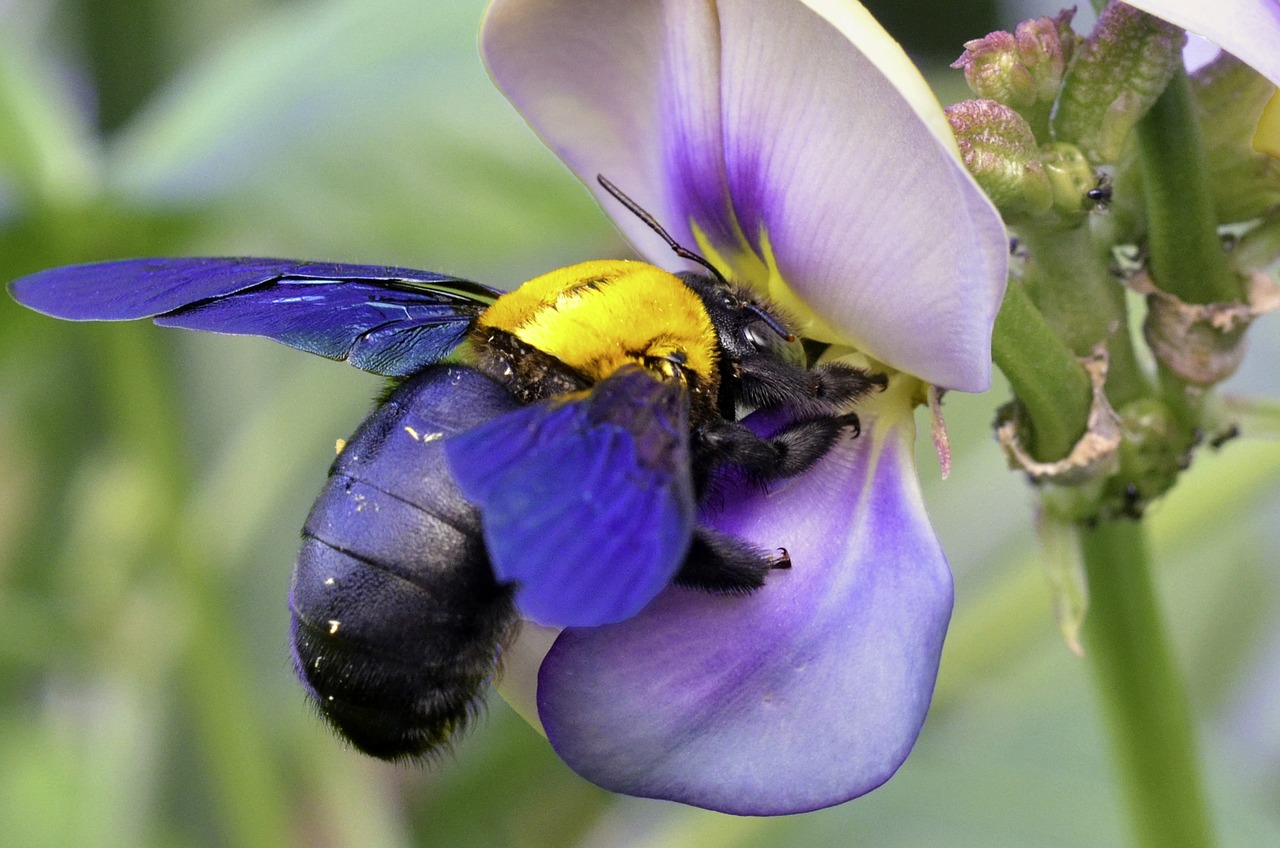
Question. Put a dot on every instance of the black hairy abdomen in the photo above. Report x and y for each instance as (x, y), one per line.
(397, 618)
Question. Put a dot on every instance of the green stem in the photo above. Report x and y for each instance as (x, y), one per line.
(1048, 381)
(1071, 286)
(1068, 278)
(1142, 693)
(1186, 257)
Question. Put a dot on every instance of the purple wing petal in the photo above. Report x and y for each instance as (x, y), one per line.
(387, 320)
(588, 505)
(802, 695)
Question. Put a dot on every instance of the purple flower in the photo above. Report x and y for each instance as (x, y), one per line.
(796, 146)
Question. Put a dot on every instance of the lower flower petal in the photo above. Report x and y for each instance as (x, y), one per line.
(803, 695)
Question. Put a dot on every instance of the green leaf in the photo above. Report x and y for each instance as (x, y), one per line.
(47, 148)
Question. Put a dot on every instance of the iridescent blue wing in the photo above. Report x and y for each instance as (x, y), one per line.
(587, 505)
(391, 321)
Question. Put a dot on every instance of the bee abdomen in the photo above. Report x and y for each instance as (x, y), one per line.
(394, 667)
(397, 618)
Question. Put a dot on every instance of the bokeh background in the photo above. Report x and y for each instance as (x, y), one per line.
(152, 482)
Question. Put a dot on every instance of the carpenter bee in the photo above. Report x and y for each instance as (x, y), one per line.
(540, 453)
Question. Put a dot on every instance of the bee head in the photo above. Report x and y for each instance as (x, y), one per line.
(746, 326)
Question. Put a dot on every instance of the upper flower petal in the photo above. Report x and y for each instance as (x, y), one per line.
(794, 141)
(1247, 29)
(800, 696)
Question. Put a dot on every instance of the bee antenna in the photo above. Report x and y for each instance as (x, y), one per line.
(771, 322)
(652, 223)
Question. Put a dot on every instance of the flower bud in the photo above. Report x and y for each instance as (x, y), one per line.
(1022, 68)
(999, 149)
(1124, 65)
(1071, 178)
(1153, 452)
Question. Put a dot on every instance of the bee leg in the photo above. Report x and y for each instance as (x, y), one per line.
(839, 384)
(786, 453)
(802, 443)
(769, 383)
(723, 564)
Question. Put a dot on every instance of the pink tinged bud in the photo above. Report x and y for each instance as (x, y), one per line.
(994, 70)
(1023, 68)
(1046, 45)
(999, 149)
(1247, 29)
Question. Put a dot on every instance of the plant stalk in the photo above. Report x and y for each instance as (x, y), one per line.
(1142, 693)
(1048, 381)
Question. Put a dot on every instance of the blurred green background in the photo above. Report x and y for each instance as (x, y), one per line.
(153, 482)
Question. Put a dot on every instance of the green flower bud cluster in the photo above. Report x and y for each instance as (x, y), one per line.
(1154, 449)
(1023, 69)
(1002, 135)
(1059, 124)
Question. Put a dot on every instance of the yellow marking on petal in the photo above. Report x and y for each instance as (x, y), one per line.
(888, 413)
(781, 293)
(740, 265)
(743, 265)
(413, 434)
(431, 437)
(896, 404)
(333, 626)
(341, 443)
(1267, 138)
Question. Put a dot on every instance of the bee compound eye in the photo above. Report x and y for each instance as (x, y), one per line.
(760, 335)
(764, 337)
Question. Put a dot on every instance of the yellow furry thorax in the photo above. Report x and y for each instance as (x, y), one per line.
(598, 316)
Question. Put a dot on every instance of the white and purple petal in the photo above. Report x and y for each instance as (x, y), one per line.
(803, 695)
(1247, 29)
(768, 133)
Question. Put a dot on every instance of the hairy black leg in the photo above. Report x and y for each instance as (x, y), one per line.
(768, 383)
(786, 453)
(724, 564)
